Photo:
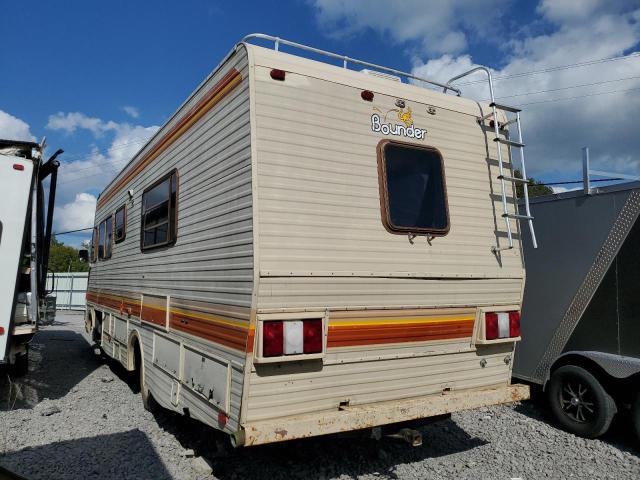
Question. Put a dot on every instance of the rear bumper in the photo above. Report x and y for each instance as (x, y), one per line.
(373, 415)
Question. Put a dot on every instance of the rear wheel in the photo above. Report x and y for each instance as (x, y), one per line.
(579, 403)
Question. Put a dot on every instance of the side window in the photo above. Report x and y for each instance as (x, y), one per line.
(412, 189)
(108, 244)
(101, 240)
(120, 224)
(159, 208)
(94, 245)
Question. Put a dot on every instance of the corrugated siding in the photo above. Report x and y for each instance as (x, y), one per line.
(319, 207)
(212, 260)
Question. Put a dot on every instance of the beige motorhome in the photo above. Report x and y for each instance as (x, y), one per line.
(307, 248)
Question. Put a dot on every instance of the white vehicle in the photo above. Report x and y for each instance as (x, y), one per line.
(305, 249)
(25, 235)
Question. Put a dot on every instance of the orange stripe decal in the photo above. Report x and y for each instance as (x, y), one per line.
(220, 90)
(357, 335)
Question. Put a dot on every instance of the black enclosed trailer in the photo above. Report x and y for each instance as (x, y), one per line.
(581, 309)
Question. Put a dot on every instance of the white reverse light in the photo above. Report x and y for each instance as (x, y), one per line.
(294, 338)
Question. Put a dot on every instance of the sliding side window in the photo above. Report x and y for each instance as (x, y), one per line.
(120, 224)
(159, 219)
(412, 189)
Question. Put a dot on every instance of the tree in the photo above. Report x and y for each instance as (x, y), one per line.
(63, 258)
(534, 187)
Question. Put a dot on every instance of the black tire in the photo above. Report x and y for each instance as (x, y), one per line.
(635, 415)
(579, 403)
(21, 365)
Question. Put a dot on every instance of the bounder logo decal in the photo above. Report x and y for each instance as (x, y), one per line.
(379, 123)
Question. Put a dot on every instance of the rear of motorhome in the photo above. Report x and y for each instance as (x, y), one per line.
(25, 234)
(307, 248)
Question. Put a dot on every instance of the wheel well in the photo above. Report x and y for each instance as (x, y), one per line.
(135, 353)
(619, 388)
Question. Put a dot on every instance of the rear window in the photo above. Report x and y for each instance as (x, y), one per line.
(412, 189)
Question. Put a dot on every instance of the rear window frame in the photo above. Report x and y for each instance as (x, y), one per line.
(384, 192)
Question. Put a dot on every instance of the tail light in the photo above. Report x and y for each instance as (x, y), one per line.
(272, 339)
(502, 325)
(514, 324)
(313, 336)
(292, 337)
(17, 166)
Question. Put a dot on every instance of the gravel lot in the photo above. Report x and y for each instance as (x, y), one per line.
(75, 416)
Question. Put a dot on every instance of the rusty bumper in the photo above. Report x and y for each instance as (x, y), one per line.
(372, 415)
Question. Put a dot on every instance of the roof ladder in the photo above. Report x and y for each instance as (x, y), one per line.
(493, 115)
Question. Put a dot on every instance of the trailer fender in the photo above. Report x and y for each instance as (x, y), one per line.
(616, 366)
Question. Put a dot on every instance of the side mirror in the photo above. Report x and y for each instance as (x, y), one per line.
(84, 255)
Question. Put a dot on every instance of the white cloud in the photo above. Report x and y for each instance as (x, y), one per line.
(100, 166)
(441, 26)
(70, 122)
(131, 111)
(76, 214)
(93, 171)
(556, 130)
(12, 128)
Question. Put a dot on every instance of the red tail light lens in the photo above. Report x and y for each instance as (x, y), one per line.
(312, 332)
(514, 324)
(17, 166)
(272, 339)
(492, 330)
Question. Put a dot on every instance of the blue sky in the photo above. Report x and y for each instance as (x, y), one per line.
(97, 78)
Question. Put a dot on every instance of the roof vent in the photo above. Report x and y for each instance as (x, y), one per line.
(386, 76)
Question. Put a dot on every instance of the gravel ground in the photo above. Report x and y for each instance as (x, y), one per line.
(75, 416)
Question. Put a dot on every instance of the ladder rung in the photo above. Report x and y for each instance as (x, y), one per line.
(508, 142)
(482, 119)
(517, 217)
(510, 122)
(513, 179)
(505, 107)
(500, 249)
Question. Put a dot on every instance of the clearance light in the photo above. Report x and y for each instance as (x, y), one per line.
(1, 330)
(277, 74)
(367, 95)
(292, 337)
(502, 325)
(17, 166)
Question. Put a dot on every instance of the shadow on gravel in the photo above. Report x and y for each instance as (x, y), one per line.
(327, 457)
(51, 375)
(619, 435)
(119, 455)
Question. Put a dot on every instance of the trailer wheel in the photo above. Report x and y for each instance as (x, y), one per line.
(579, 403)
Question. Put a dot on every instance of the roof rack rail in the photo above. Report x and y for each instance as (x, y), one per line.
(345, 60)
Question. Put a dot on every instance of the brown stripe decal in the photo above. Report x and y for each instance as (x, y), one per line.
(342, 336)
(220, 90)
